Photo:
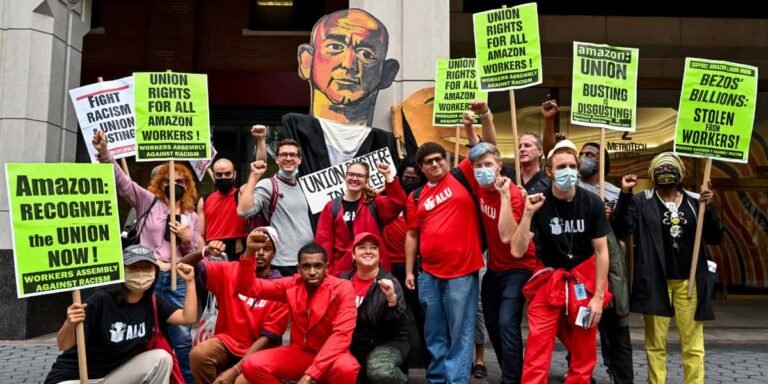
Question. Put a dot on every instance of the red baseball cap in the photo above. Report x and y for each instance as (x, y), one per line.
(363, 236)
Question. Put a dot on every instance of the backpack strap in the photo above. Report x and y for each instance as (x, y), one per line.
(144, 216)
(275, 196)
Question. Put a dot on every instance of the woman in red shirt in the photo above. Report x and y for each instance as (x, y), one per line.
(358, 210)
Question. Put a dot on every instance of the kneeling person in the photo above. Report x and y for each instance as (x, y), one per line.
(380, 342)
(323, 314)
(244, 324)
(121, 322)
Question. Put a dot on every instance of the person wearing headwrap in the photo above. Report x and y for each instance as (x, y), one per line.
(663, 222)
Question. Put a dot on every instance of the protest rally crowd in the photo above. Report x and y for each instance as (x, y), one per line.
(439, 254)
(345, 280)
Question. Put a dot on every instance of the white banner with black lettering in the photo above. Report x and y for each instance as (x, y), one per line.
(323, 186)
(107, 105)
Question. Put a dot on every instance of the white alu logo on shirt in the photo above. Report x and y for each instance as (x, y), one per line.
(559, 226)
(251, 302)
(120, 331)
(488, 210)
(432, 202)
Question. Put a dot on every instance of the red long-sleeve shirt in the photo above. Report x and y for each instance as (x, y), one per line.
(322, 324)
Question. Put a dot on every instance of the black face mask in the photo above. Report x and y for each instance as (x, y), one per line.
(179, 191)
(666, 177)
(224, 185)
(410, 185)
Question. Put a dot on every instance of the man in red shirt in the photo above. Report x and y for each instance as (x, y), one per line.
(501, 207)
(217, 211)
(323, 318)
(244, 324)
(443, 227)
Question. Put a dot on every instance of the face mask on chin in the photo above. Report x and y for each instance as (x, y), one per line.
(565, 179)
(140, 281)
(288, 175)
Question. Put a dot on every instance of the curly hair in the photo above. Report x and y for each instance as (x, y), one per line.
(187, 202)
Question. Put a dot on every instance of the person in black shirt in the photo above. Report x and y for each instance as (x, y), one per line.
(568, 295)
(120, 323)
(663, 222)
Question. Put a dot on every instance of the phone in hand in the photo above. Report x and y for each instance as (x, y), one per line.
(168, 226)
(582, 317)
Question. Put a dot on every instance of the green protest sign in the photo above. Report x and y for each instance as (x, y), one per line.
(717, 110)
(172, 121)
(507, 47)
(66, 232)
(455, 87)
(604, 86)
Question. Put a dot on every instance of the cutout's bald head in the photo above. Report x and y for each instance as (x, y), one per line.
(351, 19)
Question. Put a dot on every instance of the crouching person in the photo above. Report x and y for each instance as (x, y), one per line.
(244, 324)
(380, 342)
(322, 312)
(119, 324)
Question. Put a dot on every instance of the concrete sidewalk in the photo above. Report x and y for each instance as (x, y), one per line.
(736, 352)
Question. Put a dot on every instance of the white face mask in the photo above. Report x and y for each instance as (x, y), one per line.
(139, 281)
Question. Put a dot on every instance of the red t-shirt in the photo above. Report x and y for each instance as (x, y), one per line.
(221, 218)
(241, 319)
(361, 288)
(500, 257)
(394, 239)
(446, 219)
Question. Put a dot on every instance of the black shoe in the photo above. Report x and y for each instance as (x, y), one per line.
(480, 372)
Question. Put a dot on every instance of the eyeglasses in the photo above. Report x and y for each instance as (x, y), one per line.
(355, 175)
(438, 160)
(288, 155)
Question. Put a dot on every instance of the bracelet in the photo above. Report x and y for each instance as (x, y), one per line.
(485, 114)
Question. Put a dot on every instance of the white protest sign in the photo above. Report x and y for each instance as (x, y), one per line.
(107, 105)
(201, 165)
(325, 185)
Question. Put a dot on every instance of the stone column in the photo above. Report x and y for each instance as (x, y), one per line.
(419, 34)
(40, 55)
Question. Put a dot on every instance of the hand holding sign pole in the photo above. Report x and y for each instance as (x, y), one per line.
(172, 123)
(82, 362)
(714, 121)
(123, 163)
(508, 52)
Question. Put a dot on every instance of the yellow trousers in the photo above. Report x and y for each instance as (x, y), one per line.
(691, 337)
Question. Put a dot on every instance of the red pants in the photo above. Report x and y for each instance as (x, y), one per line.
(272, 366)
(547, 319)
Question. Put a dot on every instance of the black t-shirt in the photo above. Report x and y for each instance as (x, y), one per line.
(350, 209)
(561, 228)
(114, 333)
(677, 249)
(539, 183)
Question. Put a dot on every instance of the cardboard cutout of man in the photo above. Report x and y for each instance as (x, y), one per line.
(345, 64)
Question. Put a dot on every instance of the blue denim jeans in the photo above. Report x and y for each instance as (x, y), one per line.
(180, 336)
(450, 309)
(503, 300)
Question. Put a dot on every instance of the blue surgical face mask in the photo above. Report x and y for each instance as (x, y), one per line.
(485, 176)
(565, 179)
(287, 175)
